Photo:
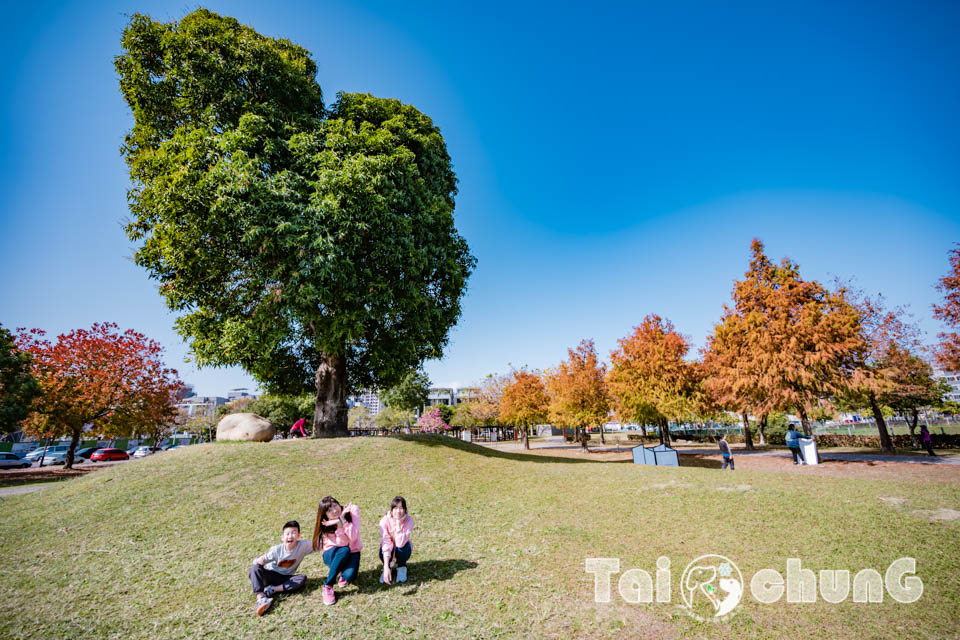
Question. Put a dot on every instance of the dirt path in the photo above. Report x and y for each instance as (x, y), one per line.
(944, 469)
(14, 491)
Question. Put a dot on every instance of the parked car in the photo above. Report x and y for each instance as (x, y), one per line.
(58, 457)
(39, 451)
(85, 453)
(105, 455)
(142, 452)
(13, 461)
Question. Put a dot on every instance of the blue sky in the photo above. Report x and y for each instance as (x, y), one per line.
(614, 159)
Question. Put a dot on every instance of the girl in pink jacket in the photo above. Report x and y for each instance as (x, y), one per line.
(395, 529)
(337, 532)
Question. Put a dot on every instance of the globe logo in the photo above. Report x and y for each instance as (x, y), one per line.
(711, 584)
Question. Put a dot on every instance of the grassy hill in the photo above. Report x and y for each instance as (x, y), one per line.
(160, 547)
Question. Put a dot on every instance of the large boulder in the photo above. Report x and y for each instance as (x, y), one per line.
(245, 426)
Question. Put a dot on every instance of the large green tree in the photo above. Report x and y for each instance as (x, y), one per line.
(315, 247)
(18, 387)
(412, 394)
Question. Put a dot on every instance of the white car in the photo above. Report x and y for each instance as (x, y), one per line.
(143, 452)
(13, 461)
(59, 457)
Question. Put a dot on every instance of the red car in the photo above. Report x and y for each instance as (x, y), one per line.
(103, 455)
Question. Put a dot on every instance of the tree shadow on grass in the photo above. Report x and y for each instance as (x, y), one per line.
(418, 573)
(489, 452)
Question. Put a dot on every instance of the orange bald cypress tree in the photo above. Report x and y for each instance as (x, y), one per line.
(649, 380)
(524, 403)
(578, 391)
(785, 345)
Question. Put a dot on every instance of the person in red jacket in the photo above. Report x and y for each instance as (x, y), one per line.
(297, 430)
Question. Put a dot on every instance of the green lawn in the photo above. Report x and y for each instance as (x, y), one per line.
(160, 547)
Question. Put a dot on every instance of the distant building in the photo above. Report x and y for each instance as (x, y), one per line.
(241, 392)
(197, 406)
(441, 395)
(370, 399)
(952, 378)
(467, 394)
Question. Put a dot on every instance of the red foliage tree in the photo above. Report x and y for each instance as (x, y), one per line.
(948, 352)
(98, 376)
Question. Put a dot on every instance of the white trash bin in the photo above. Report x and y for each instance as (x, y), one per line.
(809, 448)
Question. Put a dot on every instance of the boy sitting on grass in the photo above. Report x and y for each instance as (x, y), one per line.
(273, 572)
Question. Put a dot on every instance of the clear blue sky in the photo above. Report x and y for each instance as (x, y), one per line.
(614, 160)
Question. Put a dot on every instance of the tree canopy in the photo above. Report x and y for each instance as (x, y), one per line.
(411, 394)
(649, 380)
(315, 247)
(115, 381)
(785, 344)
(18, 387)
(578, 390)
(524, 403)
(948, 352)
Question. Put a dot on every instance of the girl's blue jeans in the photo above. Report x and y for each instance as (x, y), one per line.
(402, 554)
(341, 562)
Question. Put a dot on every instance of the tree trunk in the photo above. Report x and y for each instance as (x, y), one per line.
(330, 410)
(43, 454)
(665, 432)
(761, 429)
(584, 438)
(602, 441)
(564, 427)
(805, 422)
(912, 425)
(74, 440)
(886, 444)
(526, 438)
(747, 435)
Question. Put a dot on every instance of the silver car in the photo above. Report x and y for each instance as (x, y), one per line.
(12, 461)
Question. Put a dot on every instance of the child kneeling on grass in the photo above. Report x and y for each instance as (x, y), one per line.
(395, 530)
(273, 572)
(338, 529)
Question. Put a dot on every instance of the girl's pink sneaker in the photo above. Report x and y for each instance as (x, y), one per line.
(328, 596)
(343, 584)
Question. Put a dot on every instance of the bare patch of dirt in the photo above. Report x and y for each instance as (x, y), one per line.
(740, 488)
(893, 501)
(13, 477)
(941, 515)
(673, 484)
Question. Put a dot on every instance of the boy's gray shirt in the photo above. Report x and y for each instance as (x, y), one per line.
(286, 562)
(724, 447)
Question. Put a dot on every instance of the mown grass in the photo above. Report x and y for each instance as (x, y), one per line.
(160, 548)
